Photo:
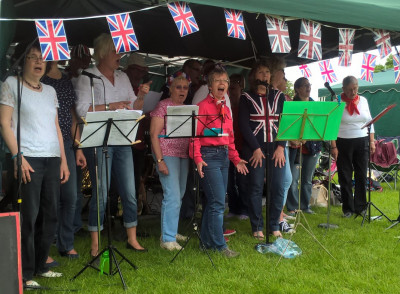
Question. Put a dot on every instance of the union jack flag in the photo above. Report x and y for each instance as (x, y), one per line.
(367, 67)
(382, 41)
(278, 35)
(327, 72)
(346, 44)
(53, 40)
(122, 33)
(305, 71)
(396, 68)
(310, 40)
(234, 23)
(183, 17)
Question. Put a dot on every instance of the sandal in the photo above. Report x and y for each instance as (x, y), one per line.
(258, 236)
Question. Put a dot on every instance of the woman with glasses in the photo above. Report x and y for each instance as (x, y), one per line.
(310, 155)
(44, 165)
(211, 155)
(259, 111)
(172, 163)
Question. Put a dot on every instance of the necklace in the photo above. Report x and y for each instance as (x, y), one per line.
(32, 86)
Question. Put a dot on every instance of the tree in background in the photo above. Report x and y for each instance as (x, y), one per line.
(289, 89)
(388, 64)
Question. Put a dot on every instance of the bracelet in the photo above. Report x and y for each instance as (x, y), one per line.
(14, 156)
(159, 160)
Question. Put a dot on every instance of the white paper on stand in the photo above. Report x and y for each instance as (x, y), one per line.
(179, 120)
(93, 133)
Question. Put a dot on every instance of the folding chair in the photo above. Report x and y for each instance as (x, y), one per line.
(386, 162)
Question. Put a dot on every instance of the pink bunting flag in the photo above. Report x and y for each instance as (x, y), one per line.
(367, 67)
(327, 72)
(305, 71)
(396, 68)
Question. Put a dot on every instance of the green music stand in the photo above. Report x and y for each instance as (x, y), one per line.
(315, 121)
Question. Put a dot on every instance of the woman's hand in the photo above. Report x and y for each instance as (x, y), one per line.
(162, 167)
(80, 158)
(144, 89)
(26, 169)
(257, 158)
(64, 172)
(372, 147)
(120, 105)
(335, 152)
(200, 168)
(242, 168)
(279, 156)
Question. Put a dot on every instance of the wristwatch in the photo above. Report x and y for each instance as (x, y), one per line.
(159, 160)
(107, 107)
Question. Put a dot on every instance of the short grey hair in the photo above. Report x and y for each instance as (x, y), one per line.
(103, 45)
(349, 80)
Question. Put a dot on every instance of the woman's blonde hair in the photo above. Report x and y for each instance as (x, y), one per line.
(103, 45)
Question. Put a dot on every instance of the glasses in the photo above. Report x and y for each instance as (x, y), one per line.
(221, 81)
(180, 87)
(35, 58)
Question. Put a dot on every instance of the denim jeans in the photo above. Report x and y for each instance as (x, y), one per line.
(174, 186)
(279, 182)
(39, 214)
(67, 204)
(309, 163)
(214, 185)
(237, 192)
(120, 162)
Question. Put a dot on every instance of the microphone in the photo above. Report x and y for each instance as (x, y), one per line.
(262, 83)
(88, 74)
(329, 89)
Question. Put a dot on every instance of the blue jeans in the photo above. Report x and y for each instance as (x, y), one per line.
(67, 204)
(39, 214)
(214, 185)
(174, 186)
(237, 192)
(121, 163)
(309, 163)
(279, 183)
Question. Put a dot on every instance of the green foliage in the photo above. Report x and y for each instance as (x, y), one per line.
(379, 68)
(289, 89)
(389, 62)
(366, 260)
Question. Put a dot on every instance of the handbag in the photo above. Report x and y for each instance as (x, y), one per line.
(319, 196)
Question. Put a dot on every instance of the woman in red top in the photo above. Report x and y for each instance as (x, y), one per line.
(212, 155)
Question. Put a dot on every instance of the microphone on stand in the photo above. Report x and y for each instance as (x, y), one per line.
(88, 74)
(262, 83)
(326, 85)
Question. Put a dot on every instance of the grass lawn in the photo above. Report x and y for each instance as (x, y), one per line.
(366, 260)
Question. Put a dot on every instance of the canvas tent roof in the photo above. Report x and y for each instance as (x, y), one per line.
(380, 94)
(158, 34)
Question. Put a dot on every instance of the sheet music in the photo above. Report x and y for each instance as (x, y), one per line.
(95, 130)
(179, 120)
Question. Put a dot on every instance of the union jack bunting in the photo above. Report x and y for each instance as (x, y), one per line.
(346, 44)
(367, 67)
(278, 35)
(305, 71)
(382, 41)
(396, 68)
(183, 17)
(234, 23)
(122, 33)
(327, 72)
(310, 40)
(53, 40)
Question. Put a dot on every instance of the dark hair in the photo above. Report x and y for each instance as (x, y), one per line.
(190, 63)
(216, 72)
(298, 84)
(238, 78)
(21, 49)
(254, 69)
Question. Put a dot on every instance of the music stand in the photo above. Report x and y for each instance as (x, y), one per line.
(182, 123)
(103, 129)
(316, 121)
(369, 203)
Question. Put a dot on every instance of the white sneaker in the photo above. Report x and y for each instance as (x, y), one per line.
(31, 285)
(181, 238)
(50, 274)
(170, 246)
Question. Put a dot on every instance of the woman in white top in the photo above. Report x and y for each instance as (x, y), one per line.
(351, 148)
(44, 165)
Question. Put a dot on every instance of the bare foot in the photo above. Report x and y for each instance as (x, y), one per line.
(277, 234)
(258, 235)
(73, 251)
(49, 259)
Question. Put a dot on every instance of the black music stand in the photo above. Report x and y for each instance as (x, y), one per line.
(370, 203)
(106, 128)
(184, 126)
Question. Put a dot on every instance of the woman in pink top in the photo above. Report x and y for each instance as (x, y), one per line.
(172, 161)
(212, 155)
